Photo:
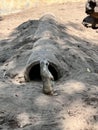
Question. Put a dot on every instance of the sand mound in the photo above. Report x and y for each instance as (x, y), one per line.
(75, 106)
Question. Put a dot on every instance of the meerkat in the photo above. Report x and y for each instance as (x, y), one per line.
(47, 78)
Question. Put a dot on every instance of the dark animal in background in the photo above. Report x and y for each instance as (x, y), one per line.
(91, 9)
(90, 5)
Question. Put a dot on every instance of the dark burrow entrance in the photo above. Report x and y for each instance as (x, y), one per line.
(34, 73)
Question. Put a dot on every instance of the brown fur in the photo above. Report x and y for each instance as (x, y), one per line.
(95, 16)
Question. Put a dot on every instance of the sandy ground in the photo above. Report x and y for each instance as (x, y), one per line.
(23, 106)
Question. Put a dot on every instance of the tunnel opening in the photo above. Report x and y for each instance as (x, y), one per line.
(34, 73)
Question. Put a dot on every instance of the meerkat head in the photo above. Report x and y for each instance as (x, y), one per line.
(44, 62)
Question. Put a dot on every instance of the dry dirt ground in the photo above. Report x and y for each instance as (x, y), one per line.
(23, 106)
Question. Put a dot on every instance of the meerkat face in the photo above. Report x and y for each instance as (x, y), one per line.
(44, 62)
(47, 63)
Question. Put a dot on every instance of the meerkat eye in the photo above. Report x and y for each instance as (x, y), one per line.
(47, 63)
